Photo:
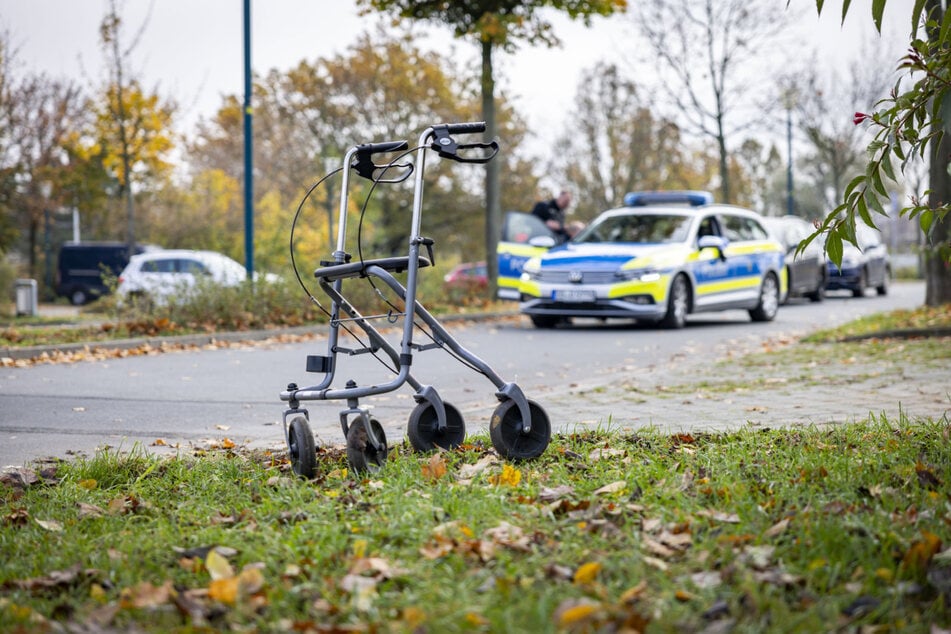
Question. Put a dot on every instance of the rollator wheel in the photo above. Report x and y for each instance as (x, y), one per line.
(362, 455)
(508, 437)
(301, 448)
(423, 431)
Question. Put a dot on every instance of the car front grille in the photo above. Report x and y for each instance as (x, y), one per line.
(571, 277)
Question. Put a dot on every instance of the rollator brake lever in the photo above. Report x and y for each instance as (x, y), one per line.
(446, 147)
(365, 167)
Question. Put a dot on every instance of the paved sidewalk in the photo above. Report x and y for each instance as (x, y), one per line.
(785, 387)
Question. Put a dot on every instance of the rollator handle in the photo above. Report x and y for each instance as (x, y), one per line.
(446, 147)
(472, 127)
(365, 167)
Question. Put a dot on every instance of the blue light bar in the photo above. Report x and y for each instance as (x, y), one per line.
(693, 198)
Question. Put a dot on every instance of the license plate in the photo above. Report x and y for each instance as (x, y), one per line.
(574, 296)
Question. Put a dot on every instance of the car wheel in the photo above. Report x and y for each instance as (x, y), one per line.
(859, 291)
(78, 297)
(544, 321)
(768, 304)
(678, 303)
(882, 289)
(820, 293)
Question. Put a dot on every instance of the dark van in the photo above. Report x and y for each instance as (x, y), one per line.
(81, 265)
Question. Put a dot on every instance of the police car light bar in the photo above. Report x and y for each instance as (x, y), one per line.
(692, 198)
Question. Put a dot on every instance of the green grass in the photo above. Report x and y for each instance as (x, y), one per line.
(798, 530)
(924, 317)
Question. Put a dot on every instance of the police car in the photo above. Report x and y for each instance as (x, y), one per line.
(659, 258)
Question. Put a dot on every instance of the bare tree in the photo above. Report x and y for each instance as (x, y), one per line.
(826, 99)
(710, 50)
(616, 144)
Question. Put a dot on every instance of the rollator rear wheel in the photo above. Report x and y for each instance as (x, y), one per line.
(508, 437)
(301, 447)
(363, 456)
(422, 429)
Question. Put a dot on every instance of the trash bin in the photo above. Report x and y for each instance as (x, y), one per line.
(26, 298)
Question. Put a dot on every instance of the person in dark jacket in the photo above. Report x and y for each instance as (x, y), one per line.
(552, 213)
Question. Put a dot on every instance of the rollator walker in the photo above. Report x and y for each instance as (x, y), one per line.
(519, 428)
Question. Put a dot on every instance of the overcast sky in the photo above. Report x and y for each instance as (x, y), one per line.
(192, 50)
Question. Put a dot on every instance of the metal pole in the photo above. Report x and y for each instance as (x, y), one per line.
(789, 180)
(248, 146)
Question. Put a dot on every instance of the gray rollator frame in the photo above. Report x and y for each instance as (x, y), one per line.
(520, 433)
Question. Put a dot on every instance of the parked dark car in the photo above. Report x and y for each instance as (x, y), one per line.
(806, 272)
(867, 266)
(81, 265)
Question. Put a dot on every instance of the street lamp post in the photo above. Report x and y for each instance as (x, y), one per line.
(789, 100)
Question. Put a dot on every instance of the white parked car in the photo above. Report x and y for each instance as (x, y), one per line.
(160, 275)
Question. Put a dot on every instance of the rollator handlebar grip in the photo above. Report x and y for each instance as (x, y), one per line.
(471, 127)
(385, 146)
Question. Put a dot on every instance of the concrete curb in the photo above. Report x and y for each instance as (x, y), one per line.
(204, 339)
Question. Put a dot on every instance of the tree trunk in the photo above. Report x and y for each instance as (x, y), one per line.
(937, 257)
(493, 198)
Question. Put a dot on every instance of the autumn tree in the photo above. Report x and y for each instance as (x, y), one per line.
(495, 24)
(133, 130)
(382, 88)
(825, 99)
(707, 52)
(616, 143)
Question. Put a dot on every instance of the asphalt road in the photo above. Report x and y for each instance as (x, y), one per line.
(198, 397)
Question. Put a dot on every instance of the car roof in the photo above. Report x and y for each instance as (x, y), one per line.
(680, 210)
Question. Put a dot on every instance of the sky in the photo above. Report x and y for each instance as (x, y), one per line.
(192, 50)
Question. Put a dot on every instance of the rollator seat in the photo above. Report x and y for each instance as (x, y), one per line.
(358, 269)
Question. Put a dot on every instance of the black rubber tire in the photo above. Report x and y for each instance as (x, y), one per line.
(859, 291)
(544, 321)
(768, 304)
(882, 289)
(505, 430)
(820, 293)
(78, 296)
(301, 448)
(362, 456)
(422, 428)
(678, 304)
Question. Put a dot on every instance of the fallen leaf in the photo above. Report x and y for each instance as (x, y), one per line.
(434, 468)
(778, 528)
(614, 487)
(218, 567)
(146, 595)
(51, 525)
(575, 614)
(587, 573)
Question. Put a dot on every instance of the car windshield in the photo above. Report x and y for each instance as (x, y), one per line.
(637, 228)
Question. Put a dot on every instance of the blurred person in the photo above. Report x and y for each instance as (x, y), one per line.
(552, 213)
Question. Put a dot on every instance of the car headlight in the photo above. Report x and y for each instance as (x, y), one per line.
(531, 269)
(649, 274)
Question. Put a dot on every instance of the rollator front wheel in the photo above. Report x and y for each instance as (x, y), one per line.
(361, 454)
(301, 447)
(507, 431)
(423, 428)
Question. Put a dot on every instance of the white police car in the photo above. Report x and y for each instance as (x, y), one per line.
(659, 258)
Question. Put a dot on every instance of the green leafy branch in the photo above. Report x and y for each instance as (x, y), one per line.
(907, 123)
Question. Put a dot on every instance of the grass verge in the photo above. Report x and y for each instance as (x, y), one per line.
(796, 530)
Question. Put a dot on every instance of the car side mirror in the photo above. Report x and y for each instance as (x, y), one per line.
(713, 242)
(546, 242)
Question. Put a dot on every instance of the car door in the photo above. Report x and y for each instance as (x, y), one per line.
(710, 266)
(524, 236)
